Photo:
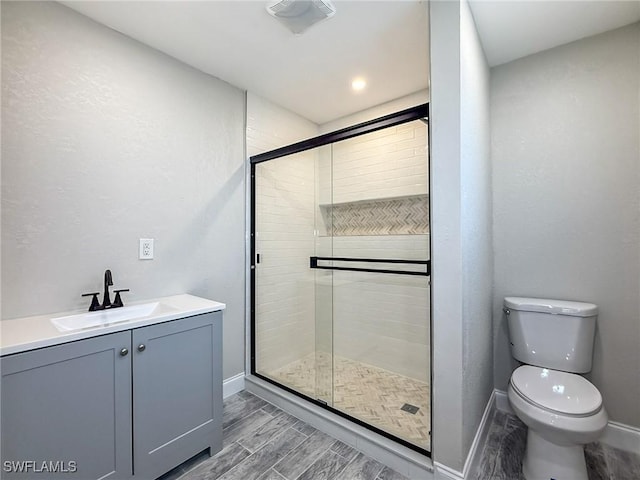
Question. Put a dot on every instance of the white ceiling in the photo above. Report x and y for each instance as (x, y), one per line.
(385, 42)
(517, 28)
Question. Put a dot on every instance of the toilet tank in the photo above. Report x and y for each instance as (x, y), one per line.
(556, 334)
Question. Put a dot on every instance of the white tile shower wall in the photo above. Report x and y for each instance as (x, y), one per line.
(270, 126)
(285, 297)
(383, 319)
(417, 98)
(388, 163)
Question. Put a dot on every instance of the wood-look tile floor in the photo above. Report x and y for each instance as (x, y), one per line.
(262, 442)
(366, 392)
(504, 449)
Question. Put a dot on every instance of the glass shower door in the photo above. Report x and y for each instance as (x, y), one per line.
(341, 310)
(378, 228)
(292, 304)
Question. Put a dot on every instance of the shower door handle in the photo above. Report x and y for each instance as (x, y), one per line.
(313, 263)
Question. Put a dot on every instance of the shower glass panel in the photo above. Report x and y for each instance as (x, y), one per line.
(341, 293)
(292, 330)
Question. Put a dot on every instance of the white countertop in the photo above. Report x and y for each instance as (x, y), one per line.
(22, 334)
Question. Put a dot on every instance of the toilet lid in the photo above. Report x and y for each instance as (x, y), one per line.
(562, 392)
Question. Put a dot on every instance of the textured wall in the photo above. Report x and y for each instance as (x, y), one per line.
(446, 281)
(105, 141)
(285, 296)
(461, 231)
(476, 218)
(566, 176)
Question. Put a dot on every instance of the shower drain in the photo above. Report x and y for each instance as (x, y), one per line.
(410, 408)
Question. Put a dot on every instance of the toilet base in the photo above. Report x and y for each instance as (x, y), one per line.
(544, 460)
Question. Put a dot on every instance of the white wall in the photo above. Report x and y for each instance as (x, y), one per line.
(446, 263)
(461, 231)
(566, 175)
(285, 222)
(104, 141)
(476, 231)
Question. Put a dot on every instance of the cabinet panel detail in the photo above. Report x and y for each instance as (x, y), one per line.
(62, 404)
(177, 392)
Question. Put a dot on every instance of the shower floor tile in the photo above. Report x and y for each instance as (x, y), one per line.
(371, 394)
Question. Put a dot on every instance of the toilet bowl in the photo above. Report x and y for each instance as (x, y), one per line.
(563, 412)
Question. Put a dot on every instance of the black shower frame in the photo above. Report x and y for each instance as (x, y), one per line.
(414, 113)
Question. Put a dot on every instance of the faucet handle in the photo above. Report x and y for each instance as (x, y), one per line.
(118, 301)
(95, 305)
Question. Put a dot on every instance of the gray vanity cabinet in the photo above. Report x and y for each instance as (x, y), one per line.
(133, 403)
(177, 392)
(66, 411)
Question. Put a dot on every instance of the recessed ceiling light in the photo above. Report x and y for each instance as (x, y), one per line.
(358, 84)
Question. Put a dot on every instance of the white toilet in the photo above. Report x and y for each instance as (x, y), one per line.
(562, 410)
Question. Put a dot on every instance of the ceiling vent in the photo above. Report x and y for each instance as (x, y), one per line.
(298, 15)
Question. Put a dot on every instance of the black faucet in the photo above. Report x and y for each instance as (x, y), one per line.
(106, 301)
(108, 281)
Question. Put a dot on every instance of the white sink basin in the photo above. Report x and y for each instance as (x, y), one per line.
(103, 317)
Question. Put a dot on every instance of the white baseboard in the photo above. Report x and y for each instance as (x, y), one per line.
(475, 452)
(233, 385)
(621, 436)
(442, 472)
(502, 402)
(617, 435)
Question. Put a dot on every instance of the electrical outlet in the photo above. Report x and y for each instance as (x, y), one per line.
(146, 249)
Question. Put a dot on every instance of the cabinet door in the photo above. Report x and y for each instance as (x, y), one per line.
(177, 392)
(66, 411)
